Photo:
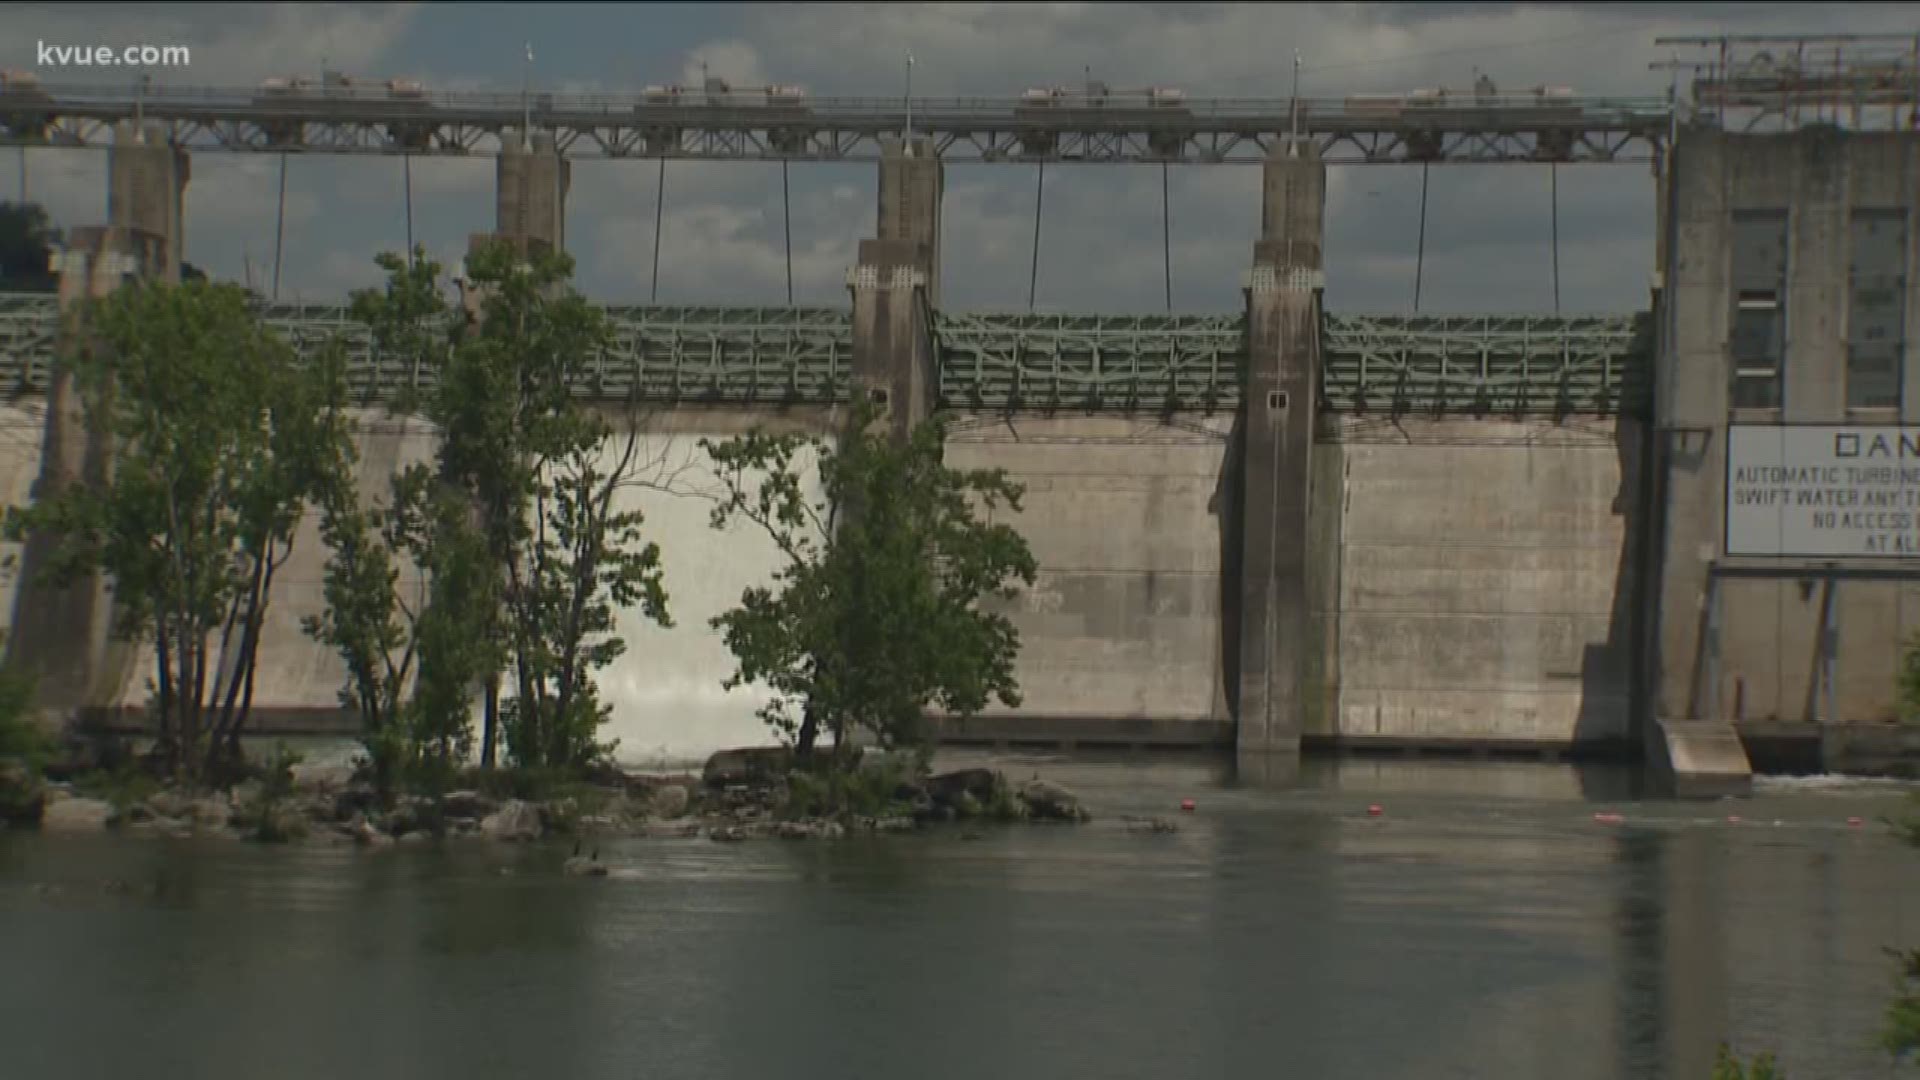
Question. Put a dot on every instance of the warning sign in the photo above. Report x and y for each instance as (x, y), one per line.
(1813, 492)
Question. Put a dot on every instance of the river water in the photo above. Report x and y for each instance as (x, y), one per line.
(1484, 926)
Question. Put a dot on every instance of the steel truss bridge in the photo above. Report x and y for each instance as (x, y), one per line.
(768, 357)
(376, 120)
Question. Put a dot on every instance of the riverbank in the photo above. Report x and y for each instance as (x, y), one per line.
(746, 794)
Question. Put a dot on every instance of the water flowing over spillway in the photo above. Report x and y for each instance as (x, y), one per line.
(669, 706)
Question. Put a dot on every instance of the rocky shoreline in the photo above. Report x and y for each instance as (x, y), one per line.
(741, 795)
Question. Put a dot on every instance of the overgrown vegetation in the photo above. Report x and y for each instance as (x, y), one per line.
(521, 556)
(1728, 1067)
(216, 438)
(875, 614)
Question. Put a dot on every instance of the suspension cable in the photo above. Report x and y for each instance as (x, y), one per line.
(1166, 235)
(406, 181)
(786, 223)
(1553, 209)
(659, 211)
(279, 228)
(1033, 272)
(1420, 249)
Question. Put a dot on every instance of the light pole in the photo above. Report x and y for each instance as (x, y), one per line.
(526, 101)
(908, 135)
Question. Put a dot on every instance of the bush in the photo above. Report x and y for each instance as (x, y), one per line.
(20, 736)
(1728, 1067)
(884, 786)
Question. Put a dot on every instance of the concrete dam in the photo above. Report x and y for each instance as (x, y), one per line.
(1281, 528)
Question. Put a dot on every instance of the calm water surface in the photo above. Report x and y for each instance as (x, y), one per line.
(1485, 926)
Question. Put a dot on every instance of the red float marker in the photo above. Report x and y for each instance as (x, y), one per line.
(1373, 810)
(1608, 819)
(1187, 805)
(1733, 819)
(1854, 821)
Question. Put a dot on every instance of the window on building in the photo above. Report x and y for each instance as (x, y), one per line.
(1876, 307)
(1758, 341)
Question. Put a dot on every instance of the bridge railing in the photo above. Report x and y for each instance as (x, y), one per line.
(1532, 364)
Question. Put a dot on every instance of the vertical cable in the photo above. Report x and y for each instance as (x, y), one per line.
(786, 221)
(23, 176)
(1033, 272)
(1420, 248)
(659, 211)
(1553, 190)
(279, 228)
(1166, 235)
(406, 179)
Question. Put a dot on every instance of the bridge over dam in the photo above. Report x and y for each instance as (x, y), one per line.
(1275, 528)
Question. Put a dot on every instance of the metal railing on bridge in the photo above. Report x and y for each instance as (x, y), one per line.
(1530, 364)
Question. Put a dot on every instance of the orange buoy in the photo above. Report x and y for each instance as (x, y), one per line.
(1373, 810)
(1854, 821)
(1187, 805)
(1733, 819)
(1608, 819)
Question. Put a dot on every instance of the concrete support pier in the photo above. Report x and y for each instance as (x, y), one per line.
(896, 284)
(60, 634)
(531, 183)
(1276, 447)
(146, 190)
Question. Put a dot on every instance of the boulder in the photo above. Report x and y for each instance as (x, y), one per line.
(1048, 801)
(211, 813)
(516, 820)
(954, 789)
(748, 765)
(22, 795)
(354, 799)
(365, 834)
(171, 804)
(279, 823)
(77, 815)
(809, 830)
(416, 837)
(685, 830)
(729, 833)
(325, 776)
(467, 804)
(669, 802)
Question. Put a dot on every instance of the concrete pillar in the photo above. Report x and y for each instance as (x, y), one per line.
(1277, 421)
(531, 190)
(895, 286)
(59, 634)
(146, 190)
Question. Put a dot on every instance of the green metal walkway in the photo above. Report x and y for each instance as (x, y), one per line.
(1526, 364)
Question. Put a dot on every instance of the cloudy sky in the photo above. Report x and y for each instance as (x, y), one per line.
(1488, 226)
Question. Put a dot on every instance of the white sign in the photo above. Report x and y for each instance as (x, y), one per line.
(1823, 492)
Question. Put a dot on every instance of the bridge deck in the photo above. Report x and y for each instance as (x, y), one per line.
(1528, 364)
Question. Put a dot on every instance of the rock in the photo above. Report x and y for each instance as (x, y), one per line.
(681, 831)
(948, 789)
(280, 823)
(77, 815)
(748, 765)
(1048, 801)
(669, 802)
(416, 837)
(559, 815)
(585, 866)
(729, 833)
(809, 830)
(1150, 825)
(245, 792)
(328, 776)
(365, 834)
(57, 792)
(211, 814)
(140, 814)
(355, 799)
(467, 804)
(516, 820)
(171, 804)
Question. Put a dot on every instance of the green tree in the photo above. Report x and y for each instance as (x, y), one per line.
(27, 240)
(1728, 1067)
(875, 614)
(515, 530)
(217, 438)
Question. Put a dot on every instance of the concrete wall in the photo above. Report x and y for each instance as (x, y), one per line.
(1483, 573)
(1124, 519)
(1761, 667)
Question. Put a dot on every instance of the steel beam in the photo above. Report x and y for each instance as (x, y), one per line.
(1199, 131)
